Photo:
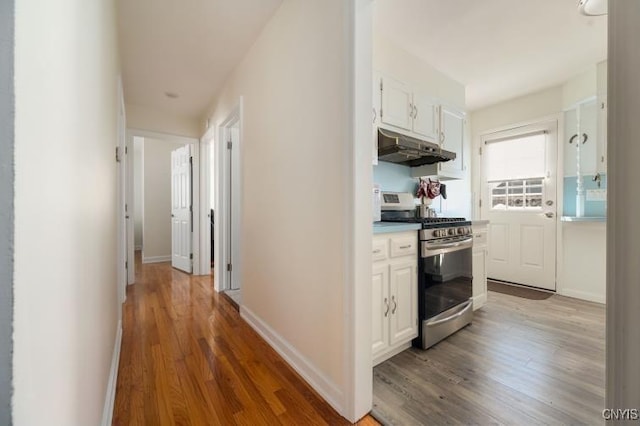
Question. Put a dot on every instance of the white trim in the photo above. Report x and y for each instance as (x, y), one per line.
(156, 259)
(207, 143)
(479, 300)
(583, 295)
(382, 358)
(315, 378)
(110, 398)
(121, 166)
(357, 214)
(222, 198)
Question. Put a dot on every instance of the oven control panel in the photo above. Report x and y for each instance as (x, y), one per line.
(451, 232)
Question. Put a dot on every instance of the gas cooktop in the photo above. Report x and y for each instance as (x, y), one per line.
(430, 222)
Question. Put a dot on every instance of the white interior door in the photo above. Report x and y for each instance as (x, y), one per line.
(181, 219)
(519, 200)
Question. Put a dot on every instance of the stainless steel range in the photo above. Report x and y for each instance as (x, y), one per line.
(445, 303)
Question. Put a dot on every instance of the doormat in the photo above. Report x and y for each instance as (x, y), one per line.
(518, 291)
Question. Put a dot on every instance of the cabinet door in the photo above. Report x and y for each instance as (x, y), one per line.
(602, 135)
(380, 309)
(452, 128)
(376, 100)
(479, 271)
(426, 117)
(589, 127)
(403, 291)
(569, 149)
(396, 104)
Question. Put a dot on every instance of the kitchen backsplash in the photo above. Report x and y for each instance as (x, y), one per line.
(591, 208)
(397, 178)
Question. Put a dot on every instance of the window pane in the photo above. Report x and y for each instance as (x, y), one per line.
(517, 158)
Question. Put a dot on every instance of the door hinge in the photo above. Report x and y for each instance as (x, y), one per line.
(229, 144)
(126, 208)
(381, 85)
(229, 267)
(480, 150)
(126, 150)
(117, 154)
(191, 256)
(126, 264)
(380, 113)
(480, 203)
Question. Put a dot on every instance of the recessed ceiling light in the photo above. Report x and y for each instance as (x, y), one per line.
(171, 95)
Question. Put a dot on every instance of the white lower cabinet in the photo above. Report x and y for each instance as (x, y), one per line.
(394, 294)
(479, 269)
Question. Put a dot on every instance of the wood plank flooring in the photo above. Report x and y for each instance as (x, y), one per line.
(521, 361)
(189, 359)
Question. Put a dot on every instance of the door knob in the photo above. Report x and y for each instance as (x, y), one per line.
(549, 214)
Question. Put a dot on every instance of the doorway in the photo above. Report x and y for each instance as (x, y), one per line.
(222, 160)
(150, 201)
(519, 199)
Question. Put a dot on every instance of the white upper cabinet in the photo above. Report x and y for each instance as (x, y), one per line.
(452, 139)
(582, 127)
(397, 104)
(425, 116)
(408, 110)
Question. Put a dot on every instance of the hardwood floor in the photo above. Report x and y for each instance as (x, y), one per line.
(189, 359)
(521, 361)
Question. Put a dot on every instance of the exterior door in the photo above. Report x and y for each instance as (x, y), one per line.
(181, 220)
(519, 200)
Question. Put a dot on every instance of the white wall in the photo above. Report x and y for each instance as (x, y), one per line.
(138, 190)
(296, 124)
(157, 199)
(154, 120)
(65, 248)
(393, 60)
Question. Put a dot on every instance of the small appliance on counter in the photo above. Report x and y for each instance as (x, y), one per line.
(445, 303)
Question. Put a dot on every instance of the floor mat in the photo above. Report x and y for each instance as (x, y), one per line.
(518, 291)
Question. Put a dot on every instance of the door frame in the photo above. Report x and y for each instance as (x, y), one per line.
(559, 119)
(222, 196)
(195, 153)
(122, 180)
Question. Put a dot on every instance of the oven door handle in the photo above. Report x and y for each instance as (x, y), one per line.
(465, 307)
(428, 249)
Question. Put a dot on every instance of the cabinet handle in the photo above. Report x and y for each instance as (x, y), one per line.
(374, 115)
(585, 138)
(386, 302)
(415, 111)
(377, 251)
(411, 110)
(405, 247)
(441, 137)
(395, 305)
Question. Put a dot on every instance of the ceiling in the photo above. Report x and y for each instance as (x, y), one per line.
(186, 47)
(498, 49)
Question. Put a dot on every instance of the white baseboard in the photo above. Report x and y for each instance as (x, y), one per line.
(315, 378)
(577, 294)
(110, 399)
(156, 259)
(479, 301)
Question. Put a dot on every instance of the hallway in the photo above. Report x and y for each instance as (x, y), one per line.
(188, 358)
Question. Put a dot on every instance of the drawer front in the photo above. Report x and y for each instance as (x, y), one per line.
(480, 238)
(380, 250)
(404, 246)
